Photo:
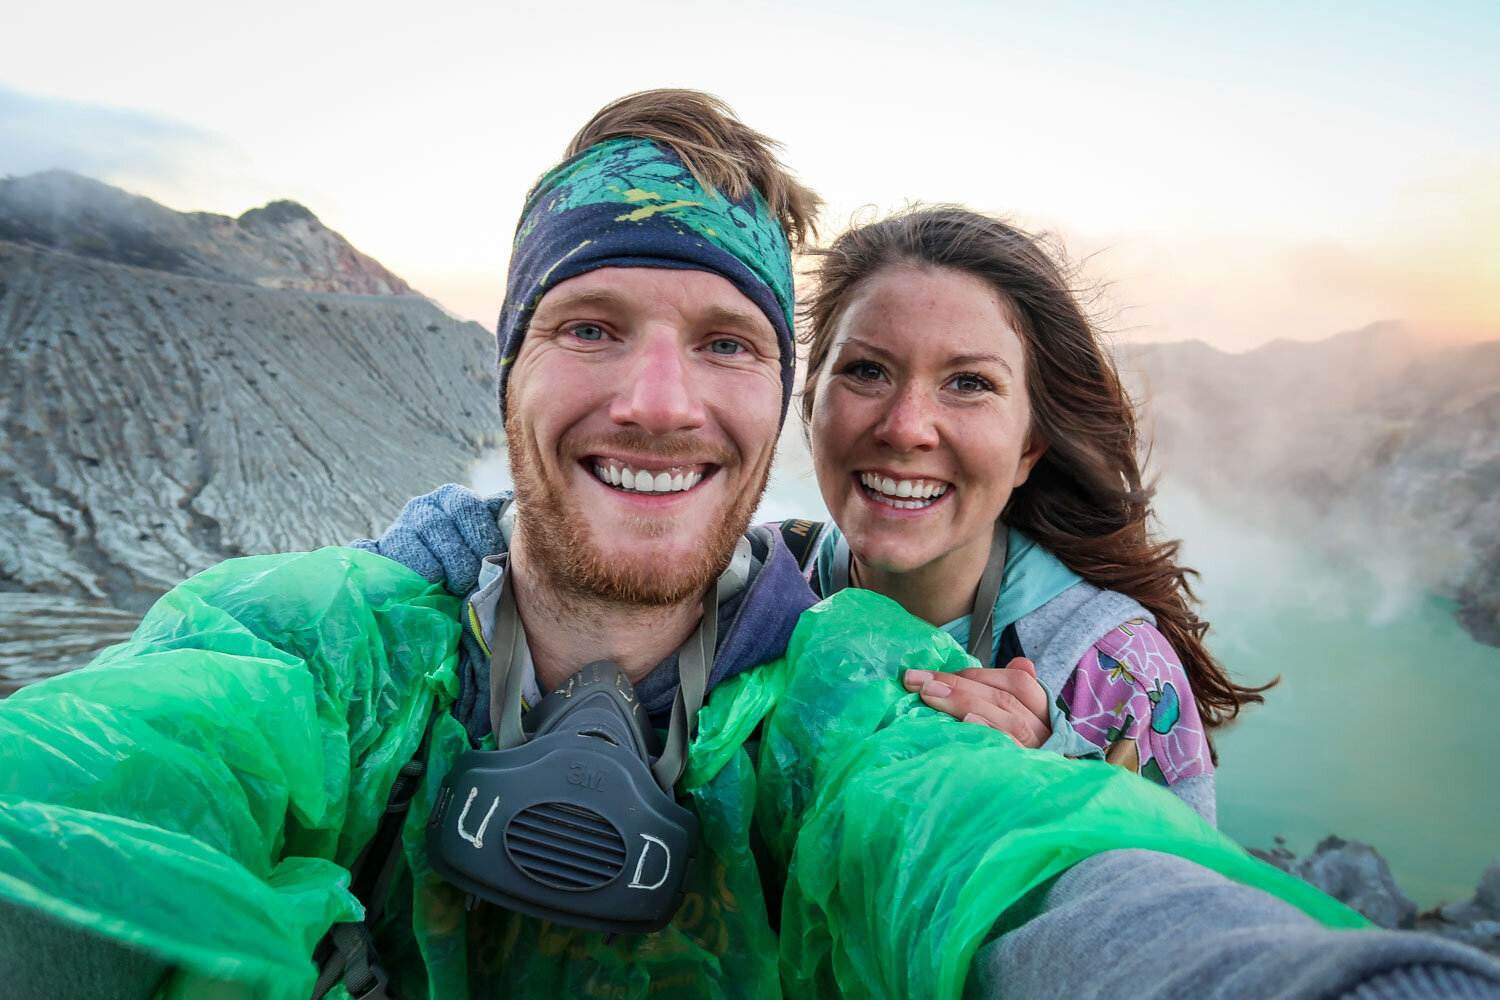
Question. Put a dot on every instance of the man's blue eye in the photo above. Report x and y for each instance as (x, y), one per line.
(726, 347)
(588, 331)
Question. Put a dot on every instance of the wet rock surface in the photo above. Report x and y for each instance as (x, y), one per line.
(155, 422)
(1356, 874)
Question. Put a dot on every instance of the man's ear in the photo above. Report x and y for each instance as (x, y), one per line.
(1036, 446)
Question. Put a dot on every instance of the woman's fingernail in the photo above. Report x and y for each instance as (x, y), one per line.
(936, 689)
(914, 679)
(976, 717)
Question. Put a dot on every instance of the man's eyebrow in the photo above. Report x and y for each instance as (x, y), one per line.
(584, 297)
(957, 359)
(737, 319)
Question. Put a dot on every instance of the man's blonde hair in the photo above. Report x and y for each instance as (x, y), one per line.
(721, 151)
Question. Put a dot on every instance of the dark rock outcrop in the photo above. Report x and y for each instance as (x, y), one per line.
(1475, 921)
(158, 420)
(1355, 874)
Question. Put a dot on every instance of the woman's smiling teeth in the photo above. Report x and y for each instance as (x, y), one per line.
(904, 494)
(630, 480)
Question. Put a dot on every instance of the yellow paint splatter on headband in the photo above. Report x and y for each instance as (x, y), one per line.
(555, 264)
(646, 211)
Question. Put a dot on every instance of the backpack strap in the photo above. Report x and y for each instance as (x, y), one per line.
(347, 952)
(1010, 646)
(351, 960)
(801, 537)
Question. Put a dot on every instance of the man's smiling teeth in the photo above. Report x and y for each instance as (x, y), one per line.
(646, 481)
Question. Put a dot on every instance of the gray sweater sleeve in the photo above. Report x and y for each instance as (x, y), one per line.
(43, 959)
(1141, 924)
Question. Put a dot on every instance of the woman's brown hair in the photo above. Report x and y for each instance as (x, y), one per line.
(1084, 501)
(722, 152)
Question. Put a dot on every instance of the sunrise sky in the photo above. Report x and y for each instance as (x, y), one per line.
(1237, 174)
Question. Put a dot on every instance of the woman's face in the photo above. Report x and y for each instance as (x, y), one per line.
(920, 428)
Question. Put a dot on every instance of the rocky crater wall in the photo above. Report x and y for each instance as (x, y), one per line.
(154, 423)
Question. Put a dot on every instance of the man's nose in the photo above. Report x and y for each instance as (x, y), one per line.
(662, 394)
(909, 423)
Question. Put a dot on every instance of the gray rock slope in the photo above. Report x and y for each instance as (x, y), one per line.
(1371, 443)
(282, 245)
(154, 423)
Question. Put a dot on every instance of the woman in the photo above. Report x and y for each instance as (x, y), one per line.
(976, 450)
(963, 417)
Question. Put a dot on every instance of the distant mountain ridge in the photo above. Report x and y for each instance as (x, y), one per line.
(282, 245)
(155, 420)
(1369, 442)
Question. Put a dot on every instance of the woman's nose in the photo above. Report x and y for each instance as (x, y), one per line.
(909, 423)
(661, 394)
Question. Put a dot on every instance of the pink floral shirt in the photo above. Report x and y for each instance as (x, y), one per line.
(1130, 697)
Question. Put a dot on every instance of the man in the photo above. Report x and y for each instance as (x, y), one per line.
(189, 810)
(645, 359)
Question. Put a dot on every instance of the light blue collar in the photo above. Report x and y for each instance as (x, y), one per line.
(1033, 576)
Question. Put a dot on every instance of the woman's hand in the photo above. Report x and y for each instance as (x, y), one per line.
(1011, 700)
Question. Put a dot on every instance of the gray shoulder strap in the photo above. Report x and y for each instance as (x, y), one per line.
(1057, 634)
(982, 616)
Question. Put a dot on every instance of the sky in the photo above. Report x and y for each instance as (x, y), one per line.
(1235, 173)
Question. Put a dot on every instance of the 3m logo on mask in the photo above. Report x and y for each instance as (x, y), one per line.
(583, 776)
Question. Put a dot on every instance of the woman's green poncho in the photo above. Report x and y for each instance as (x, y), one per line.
(198, 793)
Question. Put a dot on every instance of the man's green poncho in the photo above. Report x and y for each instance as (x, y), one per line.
(199, 792)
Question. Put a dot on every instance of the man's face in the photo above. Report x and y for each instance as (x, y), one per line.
(642, 417)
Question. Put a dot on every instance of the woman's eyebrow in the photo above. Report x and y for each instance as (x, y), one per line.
(970, 359)
(865, 345)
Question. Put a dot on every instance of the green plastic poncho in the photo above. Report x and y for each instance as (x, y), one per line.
(199, 792)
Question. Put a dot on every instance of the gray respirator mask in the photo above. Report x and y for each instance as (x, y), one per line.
(572, 818)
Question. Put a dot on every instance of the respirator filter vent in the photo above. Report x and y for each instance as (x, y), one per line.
(565, 846)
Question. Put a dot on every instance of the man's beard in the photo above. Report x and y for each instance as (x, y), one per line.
(557, 538)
